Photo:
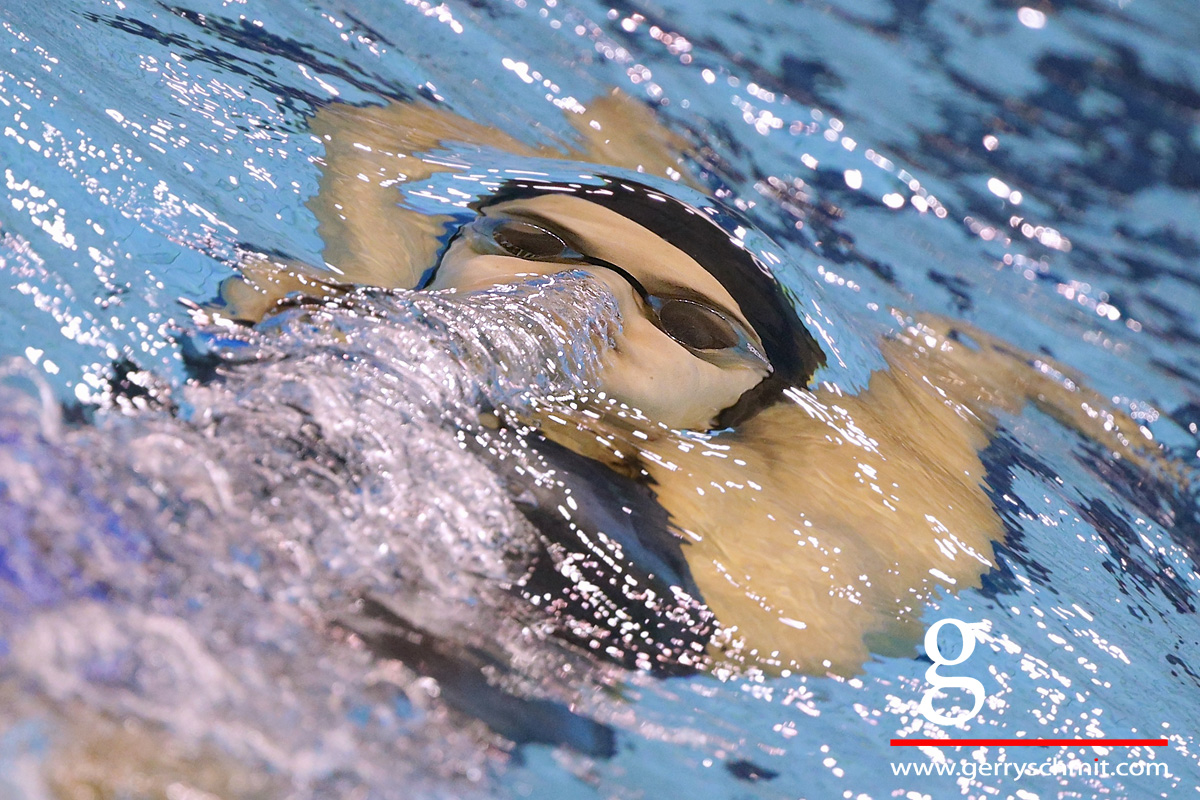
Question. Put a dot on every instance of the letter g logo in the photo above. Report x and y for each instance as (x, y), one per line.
(969, 685)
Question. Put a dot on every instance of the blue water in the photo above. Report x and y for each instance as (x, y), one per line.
(1033, 170)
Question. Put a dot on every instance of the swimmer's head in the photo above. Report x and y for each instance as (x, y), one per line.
(708, 336)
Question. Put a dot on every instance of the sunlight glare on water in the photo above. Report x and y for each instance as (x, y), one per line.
(268, 585)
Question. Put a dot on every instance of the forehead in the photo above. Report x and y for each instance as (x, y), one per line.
(603, 233)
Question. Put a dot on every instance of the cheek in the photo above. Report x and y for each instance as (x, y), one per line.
(676, 389)
(652, 373)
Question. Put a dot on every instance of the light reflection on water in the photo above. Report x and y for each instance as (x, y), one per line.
(1038, 179)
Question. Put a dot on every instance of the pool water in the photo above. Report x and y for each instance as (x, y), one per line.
(187, 575)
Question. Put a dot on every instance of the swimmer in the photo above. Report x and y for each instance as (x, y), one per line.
(813, 522)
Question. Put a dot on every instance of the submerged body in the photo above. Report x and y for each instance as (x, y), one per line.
(815, 523)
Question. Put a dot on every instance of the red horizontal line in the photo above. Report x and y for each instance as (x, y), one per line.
(1028, 742)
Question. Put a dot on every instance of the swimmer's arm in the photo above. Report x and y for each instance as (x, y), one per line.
(987, 374)
(371, 239)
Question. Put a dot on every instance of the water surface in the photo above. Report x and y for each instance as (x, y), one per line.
(1030, 169)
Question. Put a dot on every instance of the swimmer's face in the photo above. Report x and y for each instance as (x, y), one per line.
(686, 350)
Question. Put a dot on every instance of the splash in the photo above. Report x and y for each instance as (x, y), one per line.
(184, 573)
